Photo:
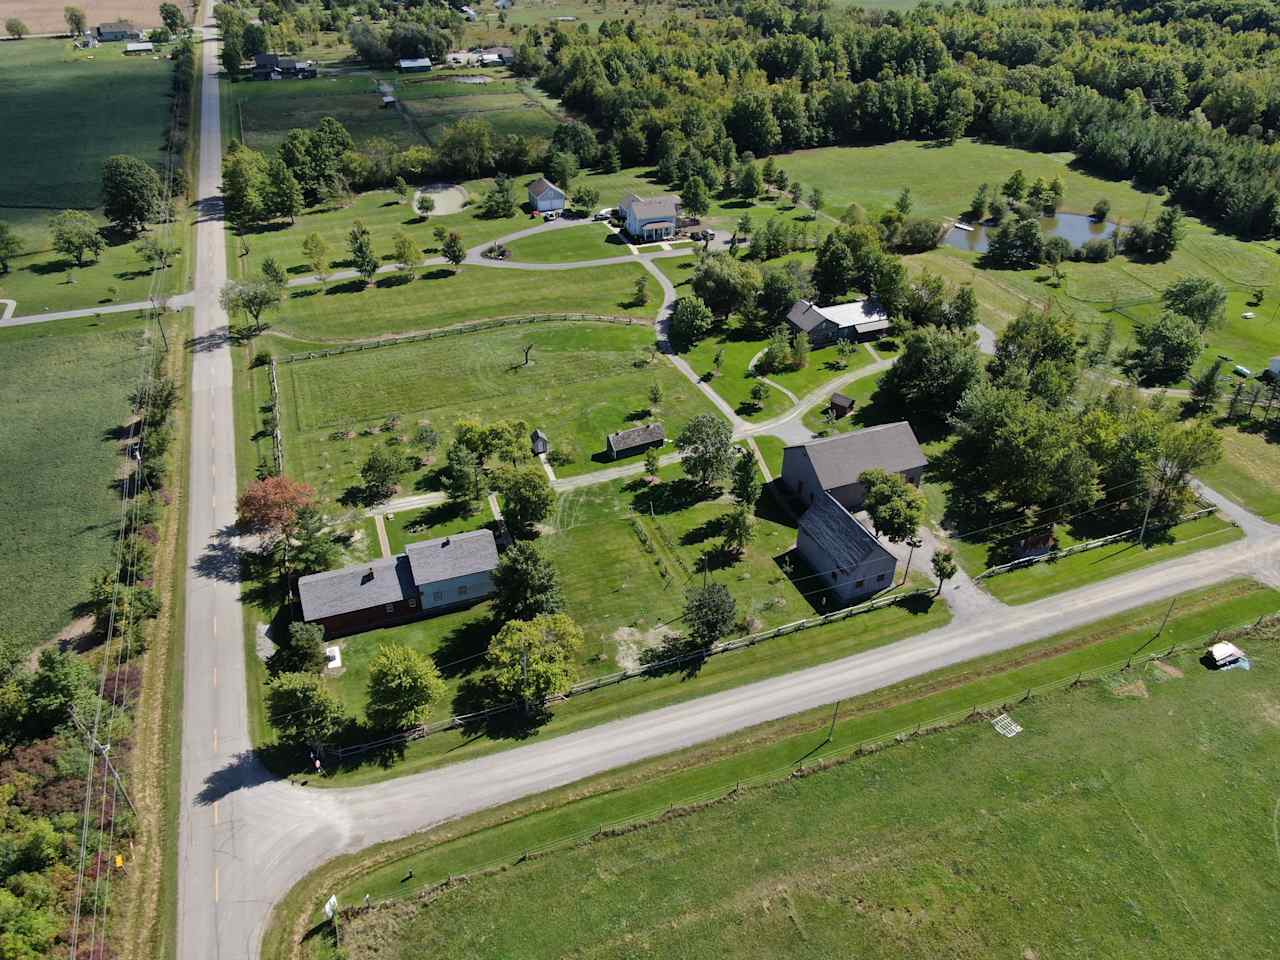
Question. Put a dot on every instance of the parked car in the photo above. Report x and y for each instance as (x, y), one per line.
(551, 215)
(605, 214)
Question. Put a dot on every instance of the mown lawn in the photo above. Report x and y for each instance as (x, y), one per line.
(442, 297)
(895, 856)
(383, 213)
(261, 114)
(65, 390)
(589, 241)
(1046, 579)
(427, 523)
(1249, 471)
(585, 380)
(910, 780)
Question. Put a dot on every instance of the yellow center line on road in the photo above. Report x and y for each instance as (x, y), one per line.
(216, 891)
(215, 739)
(215, 678)
(215, 813)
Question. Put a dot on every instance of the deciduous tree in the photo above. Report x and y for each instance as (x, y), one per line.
(403, 686)
(527, 498)
(75, 234)
(10, 246)
(531, 660)
(302, 710)
(944, 567)
(526, 584)
(271, 505)
(706, 444)
(381, 472)
(710, 613)
(360, 245)
(132, 194)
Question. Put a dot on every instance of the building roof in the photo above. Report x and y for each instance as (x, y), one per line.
(637, 437)
(360, 587)
(864, 316)
(266, 59)
(538, 435)
(840, 460)
(460, 555)
(145, 47)
(542, 185)
(665, 207)
(841, 537)
(414, 64)
(840, 400)
(117, 26)
(506, 53)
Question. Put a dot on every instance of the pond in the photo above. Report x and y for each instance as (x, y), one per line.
(1075, 227)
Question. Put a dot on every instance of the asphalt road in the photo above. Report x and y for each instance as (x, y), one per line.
(246, 838)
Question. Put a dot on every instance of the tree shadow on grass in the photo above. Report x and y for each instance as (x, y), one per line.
(709, 528)
(676, 655)
(440, 273)
(348, 286)
(463, 648)
(670, 496)
(479, 693)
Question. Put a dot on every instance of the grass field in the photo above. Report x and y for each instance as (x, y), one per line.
(261, 114)
(894, 856)
(428, 523)
(569, 244)
(65, 387)
(442, 297)
(1046, 579)
(383, 213)
(458, 848)
(71, 110)
(105, 104)
(585, 380)
(1249, 471)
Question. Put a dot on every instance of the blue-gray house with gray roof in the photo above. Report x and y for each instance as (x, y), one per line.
(429, 577)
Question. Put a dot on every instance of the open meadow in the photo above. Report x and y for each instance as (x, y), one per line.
(584, 380)
(65, 388)
(883, 857)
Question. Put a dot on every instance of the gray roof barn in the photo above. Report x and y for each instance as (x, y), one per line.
(636, 437)
(862, 316)
(841, 537)
(460, 555)
(361, 587)
(541, 186)
(840, 460)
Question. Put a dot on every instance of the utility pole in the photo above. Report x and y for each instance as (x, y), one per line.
(835, 710)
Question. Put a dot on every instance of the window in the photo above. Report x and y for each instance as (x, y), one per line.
(462, 590)
(391, 608)
(880, 579)
(860, 583)
(437, 596)
(413, 603)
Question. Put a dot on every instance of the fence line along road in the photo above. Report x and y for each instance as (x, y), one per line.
(463, 328)
(277, 438)
(1088, 545)
(815, 761)
(596, 683)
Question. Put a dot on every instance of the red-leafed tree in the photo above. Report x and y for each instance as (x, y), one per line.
(270, 505)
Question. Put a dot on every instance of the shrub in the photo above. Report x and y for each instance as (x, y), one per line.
(1098, 250)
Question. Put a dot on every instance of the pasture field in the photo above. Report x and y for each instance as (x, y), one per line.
(880, 856)
(1249, 471)
(504, 834)
(65, 387)
(104, 104)
(584, 380)
(442, 297)
(71, 110)
(260, 113)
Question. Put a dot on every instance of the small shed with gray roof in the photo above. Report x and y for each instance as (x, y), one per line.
(429, 577)
(843, 554)
(833, 465)
(627, 443)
